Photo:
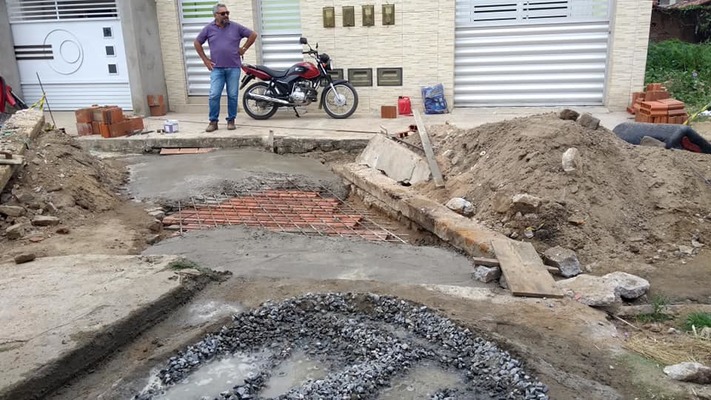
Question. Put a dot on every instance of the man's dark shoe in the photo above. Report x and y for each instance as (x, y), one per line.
(231, 125)
(212, 127)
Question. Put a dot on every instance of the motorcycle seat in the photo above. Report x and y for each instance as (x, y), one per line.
(277, 73)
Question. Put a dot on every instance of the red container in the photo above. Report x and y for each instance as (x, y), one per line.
(404, 106)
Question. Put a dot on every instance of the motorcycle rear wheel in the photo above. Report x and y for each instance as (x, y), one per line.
(342, 102)
(258, 109)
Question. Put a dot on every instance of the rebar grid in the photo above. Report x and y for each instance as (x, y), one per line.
(305, 210)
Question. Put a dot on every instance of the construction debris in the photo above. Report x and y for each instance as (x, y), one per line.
(655, 106)
(107, 121)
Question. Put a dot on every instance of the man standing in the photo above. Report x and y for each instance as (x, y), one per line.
(225, 61)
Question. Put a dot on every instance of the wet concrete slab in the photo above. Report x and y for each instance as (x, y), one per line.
(62, 314)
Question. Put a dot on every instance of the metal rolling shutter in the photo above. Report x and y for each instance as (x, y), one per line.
(194, 15)
(280, 30)
(530, 53)
(76, 47)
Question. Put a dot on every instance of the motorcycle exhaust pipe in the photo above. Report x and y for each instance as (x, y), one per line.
(270, 99)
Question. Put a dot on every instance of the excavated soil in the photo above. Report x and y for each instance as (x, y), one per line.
(627, 208)
(62, 180)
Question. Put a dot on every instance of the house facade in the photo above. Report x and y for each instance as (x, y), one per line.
(485, 52)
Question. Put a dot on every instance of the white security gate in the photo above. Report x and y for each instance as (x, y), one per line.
(530, 52)
(76, 47)
(280, 29)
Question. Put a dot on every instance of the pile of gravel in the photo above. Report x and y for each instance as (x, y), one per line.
(365, 340)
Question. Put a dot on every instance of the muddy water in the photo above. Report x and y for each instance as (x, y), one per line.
(421, 382)
(215, 377)
(293, 372)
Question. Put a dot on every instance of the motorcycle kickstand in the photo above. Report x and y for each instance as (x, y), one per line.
(297, 113)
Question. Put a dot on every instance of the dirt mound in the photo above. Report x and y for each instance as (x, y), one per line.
(60, 179)
(625, 200)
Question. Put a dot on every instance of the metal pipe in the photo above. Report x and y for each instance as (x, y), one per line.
(270, 99)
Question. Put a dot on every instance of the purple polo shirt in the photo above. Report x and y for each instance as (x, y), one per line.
(224, 43)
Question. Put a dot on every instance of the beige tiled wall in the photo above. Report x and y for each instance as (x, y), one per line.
(421, 42)
(628, 51)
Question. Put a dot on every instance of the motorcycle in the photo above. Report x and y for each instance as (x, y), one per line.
(297, 87)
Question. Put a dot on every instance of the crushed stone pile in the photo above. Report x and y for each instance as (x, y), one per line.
(60, 184)
(363, 341)
(620, 201)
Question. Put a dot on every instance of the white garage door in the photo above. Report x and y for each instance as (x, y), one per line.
(75, 47)
(530, 52)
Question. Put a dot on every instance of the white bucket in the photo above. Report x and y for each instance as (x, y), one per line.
(170, 126)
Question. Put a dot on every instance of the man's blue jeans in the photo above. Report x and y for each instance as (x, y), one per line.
(218, 78)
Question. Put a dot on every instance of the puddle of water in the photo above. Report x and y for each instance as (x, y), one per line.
(421, 382)
(215, 377)
(292, 372)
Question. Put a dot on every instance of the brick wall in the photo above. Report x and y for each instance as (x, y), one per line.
(628, 51)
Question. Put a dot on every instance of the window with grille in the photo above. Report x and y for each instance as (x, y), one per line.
(483, 11)
(53, 10)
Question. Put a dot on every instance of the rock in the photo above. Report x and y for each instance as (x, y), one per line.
(461, 206)
(526, 201)
(686, 250)
(155, 226)
(62, 230)
(568, 114)
(571, 160)
(696, 244)
(16, 231)
(591, 290)
(487, 274)
(157, 214)
(501, 203)
(588, 121)
(628, 286)
(651, 142)
(42, 220)
(689, 372)
(151, 240)
(564, 259)
(705, 333)
(12, 211)
(24, 258)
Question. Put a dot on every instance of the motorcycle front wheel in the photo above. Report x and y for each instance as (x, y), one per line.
(340, 101)
(258, 109)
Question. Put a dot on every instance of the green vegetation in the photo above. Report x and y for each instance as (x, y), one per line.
(700, 320)
(685, 70)
(658, 314)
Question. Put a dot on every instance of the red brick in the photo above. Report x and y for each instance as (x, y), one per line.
(136, 124)
(388, 112)
(84, 129)
(84, 115)
(158, 110)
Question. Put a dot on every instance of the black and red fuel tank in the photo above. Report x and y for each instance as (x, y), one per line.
(305, 70)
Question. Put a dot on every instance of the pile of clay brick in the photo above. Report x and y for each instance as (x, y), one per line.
(107, 121)
(656, 106)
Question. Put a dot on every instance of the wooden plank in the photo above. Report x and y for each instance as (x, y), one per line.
(524, 270)
(429, 152)
(487, 262)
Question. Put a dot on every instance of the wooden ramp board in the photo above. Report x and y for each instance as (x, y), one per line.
(524, 270)
(186, 150)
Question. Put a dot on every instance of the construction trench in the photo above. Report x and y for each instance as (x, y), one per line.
(274, 277)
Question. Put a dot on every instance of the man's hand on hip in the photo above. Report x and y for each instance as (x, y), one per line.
(208, 63)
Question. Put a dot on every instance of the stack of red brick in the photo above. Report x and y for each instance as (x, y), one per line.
(655, 106)
(107, 121)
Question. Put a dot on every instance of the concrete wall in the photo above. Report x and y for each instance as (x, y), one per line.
(241, 11)
(628, 51)
(8, 63)
(139, 22)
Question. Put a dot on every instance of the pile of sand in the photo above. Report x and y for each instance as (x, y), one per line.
(625, 201)
(63, 180)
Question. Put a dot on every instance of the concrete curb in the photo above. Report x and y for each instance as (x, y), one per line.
(459, 231)
(26, 125)
(48, 376)
(281, 144)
